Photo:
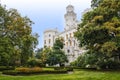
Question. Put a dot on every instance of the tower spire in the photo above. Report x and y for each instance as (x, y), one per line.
(70, 17)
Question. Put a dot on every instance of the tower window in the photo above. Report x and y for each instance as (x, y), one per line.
(49, 41)
(49, 35)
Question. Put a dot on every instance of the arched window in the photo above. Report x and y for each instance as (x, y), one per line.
(66, 36)
(44, 41)
(49, 41)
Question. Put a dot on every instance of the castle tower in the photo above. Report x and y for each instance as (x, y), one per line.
(70, 18)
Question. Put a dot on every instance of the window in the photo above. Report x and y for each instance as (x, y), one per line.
(70, 35)
(73, 19)
(49, 41)
(68, 50)
(70, 43)
(49, 35)
(66, 43)
(66, 36)
(44, 41)
(74, 42)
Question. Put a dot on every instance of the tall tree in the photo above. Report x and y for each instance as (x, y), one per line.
(100, 30)
(16, 39)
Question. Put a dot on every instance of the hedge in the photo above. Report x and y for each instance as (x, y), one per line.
(2, 68)
(63, 68)
(13, 72)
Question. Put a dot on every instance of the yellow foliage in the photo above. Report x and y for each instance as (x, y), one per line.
(24, 69)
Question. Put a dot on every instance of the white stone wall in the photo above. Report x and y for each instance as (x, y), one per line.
(49, 37)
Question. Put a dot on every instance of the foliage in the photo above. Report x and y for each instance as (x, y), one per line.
(26, 71)
(58, 43)
(57, 55)
(42, 55)
(99, 32)
(23, 69)
(32, 62)
(2, 68)
(39, 53)
(16, 40)
(63, 68)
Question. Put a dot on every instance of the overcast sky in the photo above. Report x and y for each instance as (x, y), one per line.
(46, 13)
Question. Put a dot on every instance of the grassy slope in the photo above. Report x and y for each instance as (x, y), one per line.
(77, 75)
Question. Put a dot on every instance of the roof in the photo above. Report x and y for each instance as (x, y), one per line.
(50, 30)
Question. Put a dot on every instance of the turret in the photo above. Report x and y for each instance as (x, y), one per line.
(70, 17)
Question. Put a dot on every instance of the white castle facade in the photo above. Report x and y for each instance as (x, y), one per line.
(71, 45)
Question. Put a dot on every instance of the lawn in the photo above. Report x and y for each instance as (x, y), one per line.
(76, 75)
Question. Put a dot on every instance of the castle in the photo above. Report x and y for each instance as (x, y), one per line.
(71, 46)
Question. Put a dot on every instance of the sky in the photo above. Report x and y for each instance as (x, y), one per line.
(46, 13)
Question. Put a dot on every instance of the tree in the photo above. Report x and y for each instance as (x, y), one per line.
(100, 31)
(43, 55)
(57, 56)
(38, 53)
(16, 39)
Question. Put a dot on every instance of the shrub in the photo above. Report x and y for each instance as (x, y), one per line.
(64, 68)
(22, 69)
(34, 69)
(35, 62)
(69, 68)
(2, 68)
(9, 72)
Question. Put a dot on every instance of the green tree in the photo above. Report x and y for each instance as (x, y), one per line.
(43, 55)
(16, 39)
(100, 31)
(38, 53)
(57, 56)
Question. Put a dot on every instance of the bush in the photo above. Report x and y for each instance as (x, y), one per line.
(64, 68)
(9, 72)
(35, 62)
(34, 69)
(69, 68)
(2, 68)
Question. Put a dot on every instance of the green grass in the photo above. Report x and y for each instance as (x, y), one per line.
(76, 75)
(48, 68)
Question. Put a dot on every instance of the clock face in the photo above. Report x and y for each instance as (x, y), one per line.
(1, 20)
